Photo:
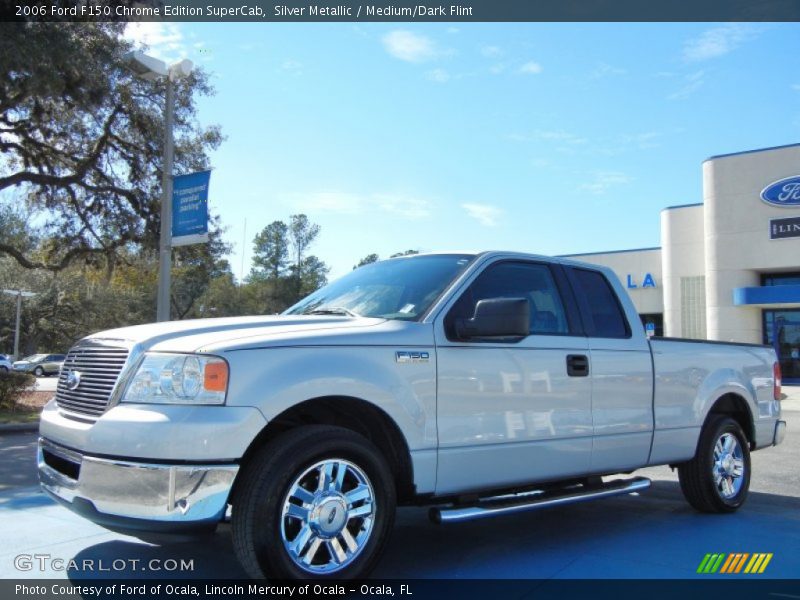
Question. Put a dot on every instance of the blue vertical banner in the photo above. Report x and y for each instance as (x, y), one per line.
(190, 208)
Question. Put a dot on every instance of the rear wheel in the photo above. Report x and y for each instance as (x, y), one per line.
(317, 502)
(717, 479)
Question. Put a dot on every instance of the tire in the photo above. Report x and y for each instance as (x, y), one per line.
(274, 506)
(38, 371)
(717, 479)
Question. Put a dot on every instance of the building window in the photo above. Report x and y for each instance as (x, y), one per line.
(770, 279)
(782, 332)
(693, 307)
(656, 323)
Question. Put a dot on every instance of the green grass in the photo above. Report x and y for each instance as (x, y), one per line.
(20, 415)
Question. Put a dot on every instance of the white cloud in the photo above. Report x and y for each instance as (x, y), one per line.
(602, 181)
(491, 51)
(556, 136)
(335, 202)
(642, 141)
(796, 87)
(402, 205)
(438, 75)
(603, 70)
(161, 40)
(497, 68)
(292, 66)
(486, 214)
(346, 203)
(718, 41)
(692, 83)
(531, 68)
(409, 46)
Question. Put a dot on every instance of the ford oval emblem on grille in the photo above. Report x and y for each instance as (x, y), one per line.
(73, 380)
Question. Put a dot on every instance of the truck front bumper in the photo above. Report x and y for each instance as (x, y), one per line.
(131, 496)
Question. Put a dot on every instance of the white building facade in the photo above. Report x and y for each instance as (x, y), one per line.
(728, 268)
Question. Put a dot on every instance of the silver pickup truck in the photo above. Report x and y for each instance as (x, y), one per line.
(479, 384)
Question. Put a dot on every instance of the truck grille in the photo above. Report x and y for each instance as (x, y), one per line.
(96, 368)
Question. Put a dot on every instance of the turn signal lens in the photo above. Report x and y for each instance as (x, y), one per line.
(215, 377)
(776, 378)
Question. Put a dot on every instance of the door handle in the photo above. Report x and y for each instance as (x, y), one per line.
(577, 365)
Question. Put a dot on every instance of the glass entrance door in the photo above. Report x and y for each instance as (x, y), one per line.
(782, 332)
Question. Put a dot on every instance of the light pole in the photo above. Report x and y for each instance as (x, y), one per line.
(20, 294)
(152, 69)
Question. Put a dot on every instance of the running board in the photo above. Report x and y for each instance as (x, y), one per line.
(515, 503)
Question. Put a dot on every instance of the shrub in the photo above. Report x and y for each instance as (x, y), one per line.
(12, 386)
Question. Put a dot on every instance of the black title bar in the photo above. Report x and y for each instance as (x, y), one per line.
(401, 10)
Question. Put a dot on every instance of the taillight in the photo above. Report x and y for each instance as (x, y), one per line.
(776, 378)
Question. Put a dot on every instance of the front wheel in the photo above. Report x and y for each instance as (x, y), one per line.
(317, 502)
(717, 479)
(38, 371)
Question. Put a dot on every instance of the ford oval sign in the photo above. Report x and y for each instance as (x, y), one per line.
(785, 192)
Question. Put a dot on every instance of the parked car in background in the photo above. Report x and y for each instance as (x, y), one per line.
(5, 364)
(40, 364)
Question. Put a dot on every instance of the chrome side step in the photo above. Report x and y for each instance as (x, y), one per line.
(514, 503)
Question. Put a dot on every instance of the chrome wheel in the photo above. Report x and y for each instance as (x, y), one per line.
(327, 516)
(728, 466)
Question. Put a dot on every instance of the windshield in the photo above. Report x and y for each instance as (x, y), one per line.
(400, 288)
(34, 358)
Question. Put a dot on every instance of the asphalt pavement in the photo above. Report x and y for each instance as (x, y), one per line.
(652, 535)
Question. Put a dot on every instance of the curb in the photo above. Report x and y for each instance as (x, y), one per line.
(19, 427)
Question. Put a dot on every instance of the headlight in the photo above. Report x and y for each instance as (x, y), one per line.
(179, 379)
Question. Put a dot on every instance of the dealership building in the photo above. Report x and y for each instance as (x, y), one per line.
(727, 268)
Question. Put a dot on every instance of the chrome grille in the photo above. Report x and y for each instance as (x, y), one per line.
(99, 367)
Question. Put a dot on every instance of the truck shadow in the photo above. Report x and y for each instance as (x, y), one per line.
(656, 534)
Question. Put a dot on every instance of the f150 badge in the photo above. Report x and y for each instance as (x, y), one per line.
(404, 357)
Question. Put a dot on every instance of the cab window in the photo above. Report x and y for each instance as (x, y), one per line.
(531, 281)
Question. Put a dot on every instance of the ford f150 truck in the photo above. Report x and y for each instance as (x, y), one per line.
(479, 384)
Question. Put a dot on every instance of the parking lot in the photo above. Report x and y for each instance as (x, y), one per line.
(653, 535)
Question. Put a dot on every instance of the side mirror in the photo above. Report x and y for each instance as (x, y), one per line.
(497, 317)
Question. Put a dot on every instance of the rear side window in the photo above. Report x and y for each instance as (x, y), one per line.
(601, 306)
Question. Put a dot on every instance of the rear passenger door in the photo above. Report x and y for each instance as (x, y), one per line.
(622, 372)
(512, 411)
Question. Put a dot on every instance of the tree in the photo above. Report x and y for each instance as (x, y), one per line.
(368, 259)
(406, 253)
(302, 234)
(271, 251)
(81, 141)
(194, 268)
(283, 272)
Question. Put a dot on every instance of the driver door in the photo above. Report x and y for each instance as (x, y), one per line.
(511, 412)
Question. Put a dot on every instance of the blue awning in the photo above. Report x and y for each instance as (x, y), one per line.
(770, 294)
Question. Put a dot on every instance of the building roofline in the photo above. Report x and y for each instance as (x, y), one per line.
(609, 252)
(751, 151)
(681, 206)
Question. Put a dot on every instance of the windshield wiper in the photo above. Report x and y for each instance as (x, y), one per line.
(331, 310)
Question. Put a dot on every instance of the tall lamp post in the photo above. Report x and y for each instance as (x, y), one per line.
(20, 294)
(153, 69)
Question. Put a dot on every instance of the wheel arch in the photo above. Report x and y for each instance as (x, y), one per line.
(735, 406)
(354, 414)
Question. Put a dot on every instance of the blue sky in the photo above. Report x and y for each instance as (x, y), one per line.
(539, 137)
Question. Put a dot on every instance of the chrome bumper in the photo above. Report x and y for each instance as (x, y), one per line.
(127, 495)
(780, 433)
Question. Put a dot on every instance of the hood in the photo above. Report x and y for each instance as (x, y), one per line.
(200, 335)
